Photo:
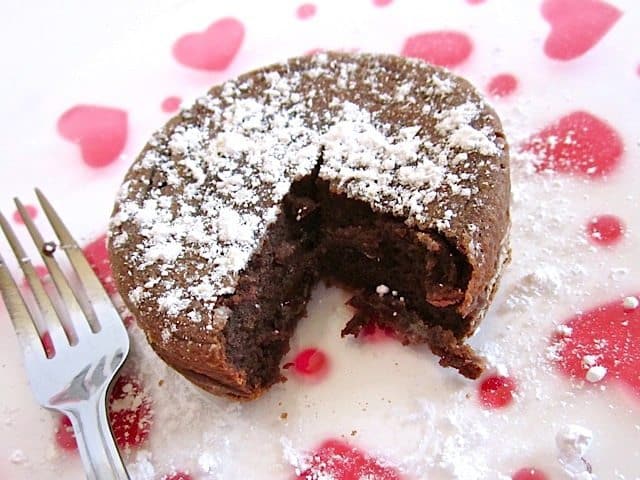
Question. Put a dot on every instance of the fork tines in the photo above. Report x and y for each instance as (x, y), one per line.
(57, 323)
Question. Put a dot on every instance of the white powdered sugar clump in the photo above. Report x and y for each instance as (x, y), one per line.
(544, 281)
(450, 453)
(596, 373)
(404, 173)
(564, 330)
(209, 462)
(382, 290)
(17, 457)
(573, 443)
(298, 460)
(142, 467)
(630, 303)
(457, 123)
(368, 165)
(231, 164)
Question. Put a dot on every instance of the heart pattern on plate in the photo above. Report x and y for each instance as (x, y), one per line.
(576, 26)
(213, 49)
(578, 143)
(609, 333)
(444, 48)
(101, 132)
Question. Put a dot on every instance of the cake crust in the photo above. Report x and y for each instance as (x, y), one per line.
(250, 184)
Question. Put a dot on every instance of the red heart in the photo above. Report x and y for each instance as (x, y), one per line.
(311, 362)
(338, 460)
(178, 476)
(577, 143)
(444, 48)
(130, 415)
(98, 257)
(529, 474)
(101, 132)
(576, 26)
(213, 49)
(612, 334)
(502, 85)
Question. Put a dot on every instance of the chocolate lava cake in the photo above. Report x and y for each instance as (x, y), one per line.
(382, 173)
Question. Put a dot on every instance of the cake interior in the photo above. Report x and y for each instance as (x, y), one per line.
(320, 234)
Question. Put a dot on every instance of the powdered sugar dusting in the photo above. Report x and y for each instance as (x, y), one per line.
(183, 415)
(202, 195)
(457, 123)
(573, 443)
(298, 460)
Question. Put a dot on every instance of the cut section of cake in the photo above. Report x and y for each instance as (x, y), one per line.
(382, 173)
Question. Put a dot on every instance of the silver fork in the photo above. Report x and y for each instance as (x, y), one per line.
(86, 332)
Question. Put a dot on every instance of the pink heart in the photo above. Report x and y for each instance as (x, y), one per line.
(576, 26)
(338, 460)
(130, 415)
(213, 49)
(101, 132)
(178, 476)
(444, 48)
(612, 335)
(578, 143)
(98, 257)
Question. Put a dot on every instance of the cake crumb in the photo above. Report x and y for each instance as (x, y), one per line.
(354, 433)
(630, 303)
(596, 373)
(284, 416)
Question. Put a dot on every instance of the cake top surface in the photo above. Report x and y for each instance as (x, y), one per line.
(411, 140)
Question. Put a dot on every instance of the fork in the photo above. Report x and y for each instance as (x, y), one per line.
(88, 339)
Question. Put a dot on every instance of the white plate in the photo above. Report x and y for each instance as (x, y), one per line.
(405, 410)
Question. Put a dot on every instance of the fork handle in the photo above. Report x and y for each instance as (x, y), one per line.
(98, 450)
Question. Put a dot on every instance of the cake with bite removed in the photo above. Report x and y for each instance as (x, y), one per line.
(382, 173)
